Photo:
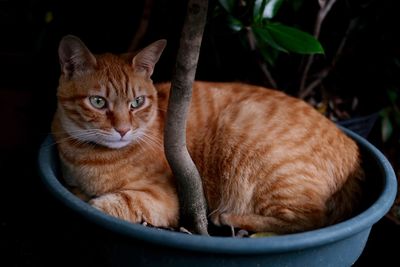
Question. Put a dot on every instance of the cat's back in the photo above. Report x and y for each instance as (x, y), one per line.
(246, 112)
(254, 110)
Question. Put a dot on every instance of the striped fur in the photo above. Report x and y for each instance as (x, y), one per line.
(269, 162)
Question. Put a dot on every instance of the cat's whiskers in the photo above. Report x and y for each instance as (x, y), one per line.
(153, 138)
(145, 144)
(162, 109)
(150, 140)
(77, 136)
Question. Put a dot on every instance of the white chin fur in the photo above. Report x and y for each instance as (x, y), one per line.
(115, 144)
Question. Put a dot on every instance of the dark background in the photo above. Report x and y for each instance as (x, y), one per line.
(36, 230)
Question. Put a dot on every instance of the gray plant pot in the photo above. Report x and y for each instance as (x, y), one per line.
(337, 245)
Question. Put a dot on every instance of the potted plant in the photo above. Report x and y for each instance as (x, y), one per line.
(138, 245)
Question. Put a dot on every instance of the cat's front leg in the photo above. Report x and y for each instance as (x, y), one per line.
(140, 206)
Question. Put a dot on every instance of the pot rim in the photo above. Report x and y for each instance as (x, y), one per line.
(229, 245)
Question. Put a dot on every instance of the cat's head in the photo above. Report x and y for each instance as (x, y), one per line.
(106, 99)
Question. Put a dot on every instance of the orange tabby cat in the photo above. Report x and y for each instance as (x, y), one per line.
(269, 162)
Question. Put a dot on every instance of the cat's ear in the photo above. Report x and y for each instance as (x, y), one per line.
(143, 63)
(75, 57)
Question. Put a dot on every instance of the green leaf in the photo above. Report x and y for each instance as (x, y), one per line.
(264, 36)
(262, 234)
(271, 8)
(294, 40)
(258, 10)
(228, 5)
(266, 9)
(235, 24)
(269, 54)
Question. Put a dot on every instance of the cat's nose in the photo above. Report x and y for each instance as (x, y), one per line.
(122, 131)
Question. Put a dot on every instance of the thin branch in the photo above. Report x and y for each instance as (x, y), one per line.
(191, 195)
(143, 25)
(324, 73)
(325, 7)
(253, 47)
(320, 77)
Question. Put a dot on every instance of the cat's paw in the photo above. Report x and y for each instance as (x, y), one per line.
(224, 219)
(214, 218)
(116, 205)
(138, 207)
(228, 219)
(219, 219)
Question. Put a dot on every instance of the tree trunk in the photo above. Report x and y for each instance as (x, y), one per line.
(190, 189)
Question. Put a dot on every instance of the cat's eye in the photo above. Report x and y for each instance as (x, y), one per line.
(137, 102)
(98, 102)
